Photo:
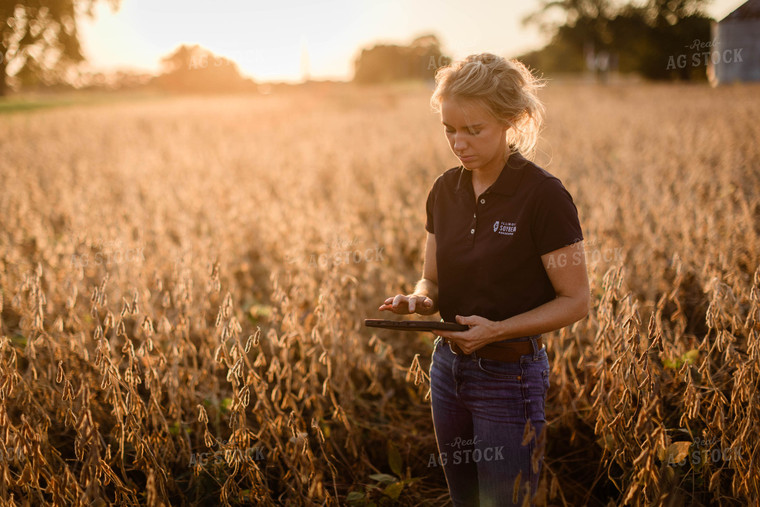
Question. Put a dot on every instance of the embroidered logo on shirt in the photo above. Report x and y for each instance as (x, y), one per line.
(505, 228)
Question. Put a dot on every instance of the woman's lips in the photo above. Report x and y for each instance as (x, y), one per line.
(468, 158)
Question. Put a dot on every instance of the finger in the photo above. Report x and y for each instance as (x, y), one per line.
(400, 304)
(412, 304)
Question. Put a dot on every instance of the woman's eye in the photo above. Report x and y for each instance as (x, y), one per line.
(469, 131)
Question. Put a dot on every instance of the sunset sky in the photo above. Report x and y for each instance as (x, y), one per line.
(280, 39)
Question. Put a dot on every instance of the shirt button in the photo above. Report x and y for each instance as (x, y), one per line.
(472, 231)
(482, 201)
(474, 215)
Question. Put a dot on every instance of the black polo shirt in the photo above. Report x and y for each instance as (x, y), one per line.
(489, 253)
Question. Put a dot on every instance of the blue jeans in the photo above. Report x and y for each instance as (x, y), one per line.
(480, 408)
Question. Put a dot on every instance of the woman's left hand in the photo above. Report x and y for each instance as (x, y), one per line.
(482, 332)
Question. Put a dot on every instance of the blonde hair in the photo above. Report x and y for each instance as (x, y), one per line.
(505, 87)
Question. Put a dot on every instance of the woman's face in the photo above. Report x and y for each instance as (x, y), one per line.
(475, 136)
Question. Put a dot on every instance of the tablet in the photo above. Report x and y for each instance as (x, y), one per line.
(416, 325)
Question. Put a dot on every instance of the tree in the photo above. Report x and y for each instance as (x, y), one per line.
(582, 37)
(384, 63)
(39, 38)
(670, 12)
(641, 38)
(590, 17)
(194, 69)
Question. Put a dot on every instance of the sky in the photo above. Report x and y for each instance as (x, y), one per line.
(282, 40)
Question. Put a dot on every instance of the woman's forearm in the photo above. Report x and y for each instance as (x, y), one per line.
(552, 315)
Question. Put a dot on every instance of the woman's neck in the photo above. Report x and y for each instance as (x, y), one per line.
(486, 176)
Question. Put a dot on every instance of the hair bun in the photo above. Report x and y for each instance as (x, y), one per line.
(487, 59)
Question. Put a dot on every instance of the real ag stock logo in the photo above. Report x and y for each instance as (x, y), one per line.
(712, 55)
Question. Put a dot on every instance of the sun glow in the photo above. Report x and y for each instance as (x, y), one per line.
(286, 40)
(292, 39)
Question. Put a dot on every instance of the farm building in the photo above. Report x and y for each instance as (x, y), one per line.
(736, 46)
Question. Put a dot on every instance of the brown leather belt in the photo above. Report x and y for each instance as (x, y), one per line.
(507, 351)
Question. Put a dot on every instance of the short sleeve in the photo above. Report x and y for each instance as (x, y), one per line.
(555, 218)
(429, 222)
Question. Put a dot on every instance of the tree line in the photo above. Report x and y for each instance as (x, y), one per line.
(39, 45)
(644, 39)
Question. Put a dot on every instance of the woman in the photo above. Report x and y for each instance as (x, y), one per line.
(504, 256)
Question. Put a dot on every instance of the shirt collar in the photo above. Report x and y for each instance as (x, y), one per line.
(506, 183)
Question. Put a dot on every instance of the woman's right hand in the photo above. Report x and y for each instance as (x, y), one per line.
(406, 304)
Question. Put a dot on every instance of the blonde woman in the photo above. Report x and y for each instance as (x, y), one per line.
(504, 256)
